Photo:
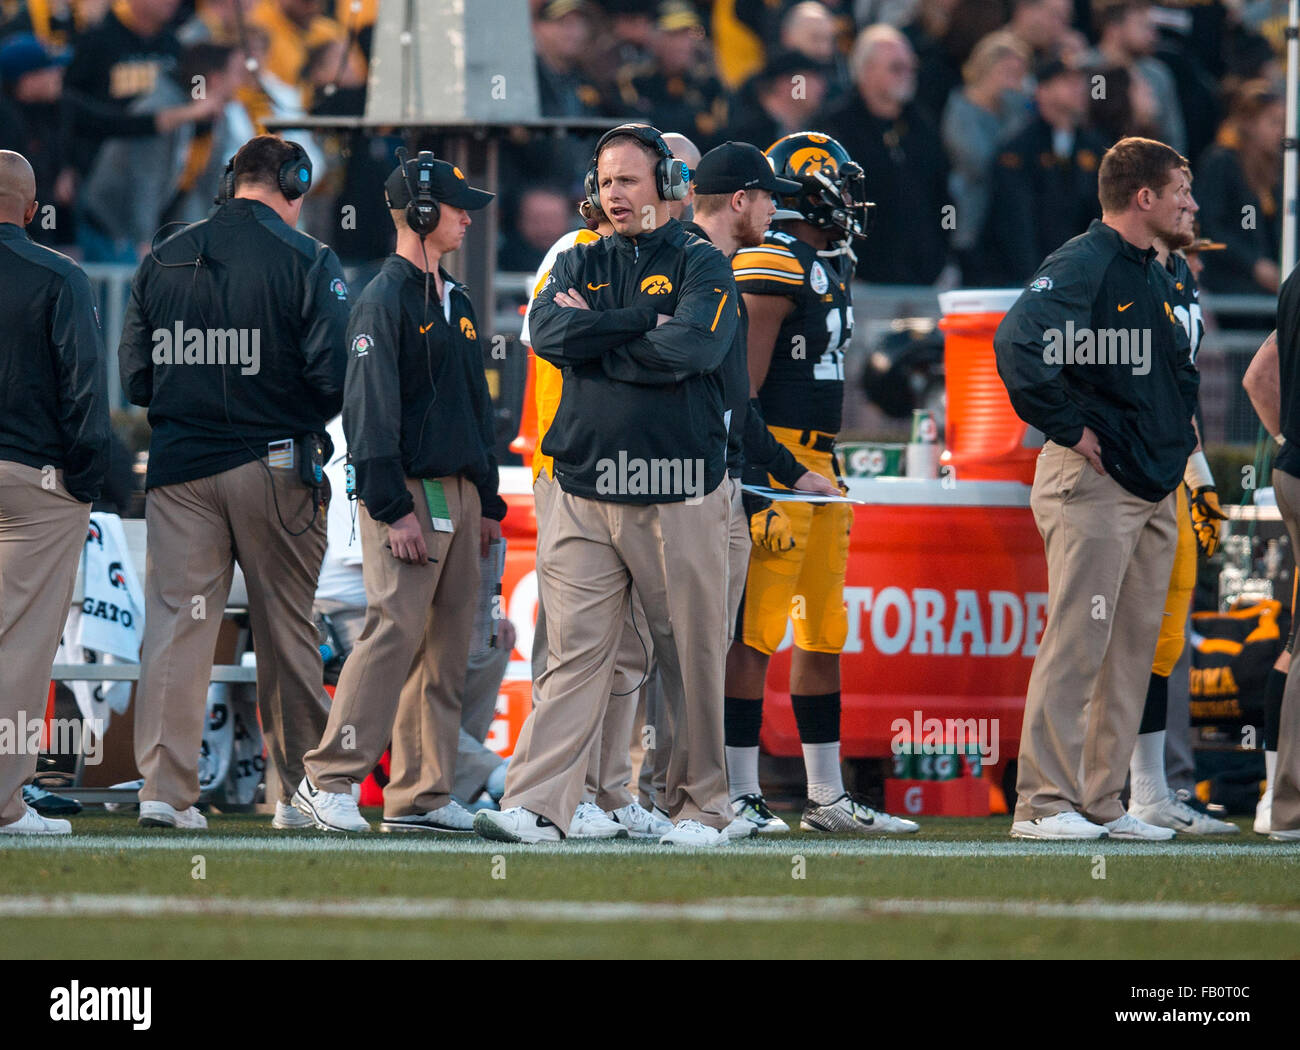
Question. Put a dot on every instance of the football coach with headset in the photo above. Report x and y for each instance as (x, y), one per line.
(640, 322)
(418, 419)
(235, 339)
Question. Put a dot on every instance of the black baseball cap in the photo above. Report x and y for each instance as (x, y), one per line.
(739, 166)
(1054, 66)
(785, 64)
(446, 180)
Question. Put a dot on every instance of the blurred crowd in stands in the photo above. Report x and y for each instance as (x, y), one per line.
(979, 123)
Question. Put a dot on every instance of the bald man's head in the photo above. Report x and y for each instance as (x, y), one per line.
(17, 189)
(683, 149)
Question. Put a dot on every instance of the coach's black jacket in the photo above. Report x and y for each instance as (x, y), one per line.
(608, 413)
(257, 274)
(53, 406)
(397, 425)
(1102, 282)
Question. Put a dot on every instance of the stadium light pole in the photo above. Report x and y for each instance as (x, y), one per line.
(1289, 146)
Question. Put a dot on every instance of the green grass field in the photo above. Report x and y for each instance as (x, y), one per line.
(960, 889)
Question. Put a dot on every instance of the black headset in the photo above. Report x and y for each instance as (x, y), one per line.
(672, 176)
(293, 178)
(422, 210)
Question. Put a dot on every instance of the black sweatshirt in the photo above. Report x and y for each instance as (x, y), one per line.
(53, 404)
(749, 443)
(111, 67)
(1288, 366)
(416, 403)
(269, 301)
(616, 437)
(1098, 290)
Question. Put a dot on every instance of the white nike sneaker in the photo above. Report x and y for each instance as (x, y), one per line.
(329, 810)
(847, 814)
(640, 822)
(161, 815)
(740, 828)
(1180, 817)
(289, 819)
(32, 823)
(1264, 812)
(589, 822)
(693, 833)
(1066, 825)
(1279, 835)
(661, 813)
(515, 824)
(1129, 828)
(754, 808)
(451, 817)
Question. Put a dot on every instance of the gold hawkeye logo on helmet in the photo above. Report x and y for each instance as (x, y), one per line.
(811, 158)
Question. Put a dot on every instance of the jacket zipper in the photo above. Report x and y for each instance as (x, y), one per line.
(628, 286)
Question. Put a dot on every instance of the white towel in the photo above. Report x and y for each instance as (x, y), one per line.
(108, 627)
(112, 619)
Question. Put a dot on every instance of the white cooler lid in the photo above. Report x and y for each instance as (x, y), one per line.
(978, 300)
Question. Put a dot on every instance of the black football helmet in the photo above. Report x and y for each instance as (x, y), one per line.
(834, 187)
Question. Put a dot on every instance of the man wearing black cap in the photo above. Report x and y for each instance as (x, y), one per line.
(418, 420)
(735, 199)
(784, 97)
(1044, 182)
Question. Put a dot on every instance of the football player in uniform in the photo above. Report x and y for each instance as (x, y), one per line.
(1151, 799)
(797, 290)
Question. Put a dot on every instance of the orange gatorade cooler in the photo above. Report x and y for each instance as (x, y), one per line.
(986, 440)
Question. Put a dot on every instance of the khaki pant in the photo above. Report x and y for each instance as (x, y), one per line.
(739, 546)
(1109, 556)
(197, 531)
(653, 781)
(475, 762)
(1286, 781)
(609, 766)
(590, 555)
(42, 531)
(406, 676)
(609, 769)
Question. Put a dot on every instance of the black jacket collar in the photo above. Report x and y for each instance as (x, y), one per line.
(12, 232)
(698, 230)
(670, 233)
(1125, 247)
(408, 271)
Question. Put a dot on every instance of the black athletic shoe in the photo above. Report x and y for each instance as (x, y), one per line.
(754, 809)
(48, 804)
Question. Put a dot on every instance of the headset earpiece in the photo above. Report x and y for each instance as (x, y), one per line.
(226, 187)
(672, 176)
(674, 179)
(295, 173)
(422, 209)
(293, 178)
(591, 186)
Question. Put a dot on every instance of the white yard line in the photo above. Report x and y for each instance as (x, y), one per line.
(808, 845)
(740, 909)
